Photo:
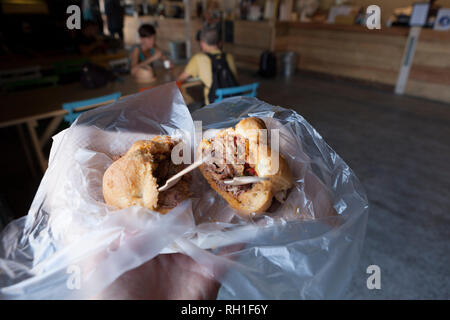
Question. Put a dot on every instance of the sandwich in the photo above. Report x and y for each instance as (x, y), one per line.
(244, 146)
(134, 178)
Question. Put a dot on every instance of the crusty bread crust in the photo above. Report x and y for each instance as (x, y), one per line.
(256, 200)
(129, 181)
(259, 198)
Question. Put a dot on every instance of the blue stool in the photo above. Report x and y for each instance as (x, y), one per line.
(87, 104)
(246, 91)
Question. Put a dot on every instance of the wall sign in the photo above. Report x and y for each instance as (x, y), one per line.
(442, 20)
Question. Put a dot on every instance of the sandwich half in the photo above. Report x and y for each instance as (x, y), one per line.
(134, 178)
(237, 152)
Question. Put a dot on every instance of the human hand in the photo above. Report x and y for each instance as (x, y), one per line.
(156, 56)
(169, 277)
(166, 277)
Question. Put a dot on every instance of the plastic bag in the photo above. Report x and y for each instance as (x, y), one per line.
(71, 245)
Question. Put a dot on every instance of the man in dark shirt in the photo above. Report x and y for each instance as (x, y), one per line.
(114, 14)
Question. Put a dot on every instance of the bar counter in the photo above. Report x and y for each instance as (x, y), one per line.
(350, 51)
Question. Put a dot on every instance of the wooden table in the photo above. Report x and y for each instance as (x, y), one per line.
(28, 107)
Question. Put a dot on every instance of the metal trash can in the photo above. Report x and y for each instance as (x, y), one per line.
(289, 63)
(177, 50)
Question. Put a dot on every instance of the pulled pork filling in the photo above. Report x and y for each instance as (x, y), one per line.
(229, 160)
(166, 169)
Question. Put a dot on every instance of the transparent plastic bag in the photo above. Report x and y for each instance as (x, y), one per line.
(71, 245)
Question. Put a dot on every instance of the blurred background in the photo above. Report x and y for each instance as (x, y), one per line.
(380, 97)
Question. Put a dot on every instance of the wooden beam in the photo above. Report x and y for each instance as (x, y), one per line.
(407, 61)
(52, 126)
(37, 148)
(26, 149)
(187, 19)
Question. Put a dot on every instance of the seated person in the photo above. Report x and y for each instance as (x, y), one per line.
(145, 54)
(202, 65)
(90, 40)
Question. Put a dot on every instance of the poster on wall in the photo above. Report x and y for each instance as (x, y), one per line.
(442, 19)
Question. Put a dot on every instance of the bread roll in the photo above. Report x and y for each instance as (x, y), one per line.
(244, 141)
(134, 178)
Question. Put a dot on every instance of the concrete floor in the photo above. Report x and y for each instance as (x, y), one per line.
(399, 147)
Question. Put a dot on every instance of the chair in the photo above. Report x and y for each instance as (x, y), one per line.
(69, 71)
(65, 67)
(77, 107)
(25, 77)
(20, 74)
(31, 83)
(247, 91)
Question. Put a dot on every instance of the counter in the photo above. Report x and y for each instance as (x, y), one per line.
(342, 50)
(429, 76)
(349, 51)
(250, 39)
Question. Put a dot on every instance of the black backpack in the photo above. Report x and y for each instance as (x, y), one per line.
(267, 65)
(222, 76)
(94, 76)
